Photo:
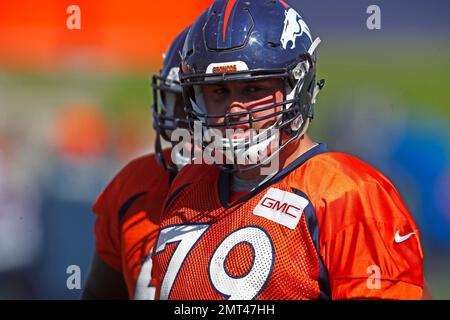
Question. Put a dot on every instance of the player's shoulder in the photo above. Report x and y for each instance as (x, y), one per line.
(338, 178)
(346, 168)
(141, 171)
(192, 174)
(343, 170)
(142, 174)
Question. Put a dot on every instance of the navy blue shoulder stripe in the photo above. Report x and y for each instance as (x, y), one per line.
(175, 193)
(313, 228)
(123, 210)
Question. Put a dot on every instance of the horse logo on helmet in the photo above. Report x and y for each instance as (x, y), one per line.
(294, 27)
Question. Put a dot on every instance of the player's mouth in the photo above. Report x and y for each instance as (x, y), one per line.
(240, 131)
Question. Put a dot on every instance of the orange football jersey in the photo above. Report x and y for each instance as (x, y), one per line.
(326, 226)
(127, 217)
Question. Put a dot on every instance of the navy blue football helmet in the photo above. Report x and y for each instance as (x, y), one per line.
(168, 108)
(247, 40)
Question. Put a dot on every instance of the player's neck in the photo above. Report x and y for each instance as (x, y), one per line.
(287, 156)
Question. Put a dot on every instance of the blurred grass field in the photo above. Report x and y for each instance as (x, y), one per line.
(418, 78)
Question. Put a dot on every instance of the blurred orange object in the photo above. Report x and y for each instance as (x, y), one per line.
(113, 34)
(81, 131)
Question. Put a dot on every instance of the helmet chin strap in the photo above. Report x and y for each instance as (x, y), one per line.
(249, 147)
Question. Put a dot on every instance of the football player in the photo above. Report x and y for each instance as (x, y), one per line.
(323, 225)
(128, 210)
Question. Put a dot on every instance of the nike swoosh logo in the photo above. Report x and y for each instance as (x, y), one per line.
(400, 239)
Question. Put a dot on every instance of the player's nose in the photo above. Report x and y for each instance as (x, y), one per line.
(237, 112)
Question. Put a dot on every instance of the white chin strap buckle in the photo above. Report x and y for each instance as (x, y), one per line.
(297, 123)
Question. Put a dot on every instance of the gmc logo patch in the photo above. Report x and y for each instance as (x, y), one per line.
(282, 207)
(277, 205)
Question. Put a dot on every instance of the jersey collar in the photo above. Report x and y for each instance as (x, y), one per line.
(224, 179)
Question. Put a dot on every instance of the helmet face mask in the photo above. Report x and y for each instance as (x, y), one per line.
(217, 54)
(288, 115)
(168, 108)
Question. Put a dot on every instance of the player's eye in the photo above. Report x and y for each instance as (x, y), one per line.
(253, 89)
(219, 90)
